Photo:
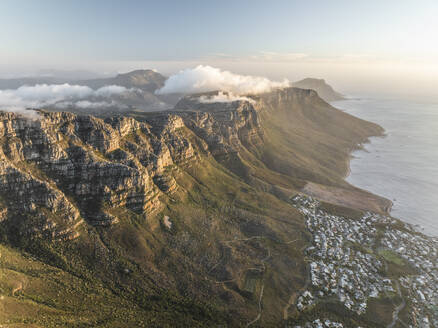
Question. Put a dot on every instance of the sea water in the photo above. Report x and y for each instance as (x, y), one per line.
(403, 165)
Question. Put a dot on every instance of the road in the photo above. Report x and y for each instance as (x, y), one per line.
(397, 309)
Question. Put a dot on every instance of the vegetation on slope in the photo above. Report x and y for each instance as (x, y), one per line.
(233, 254)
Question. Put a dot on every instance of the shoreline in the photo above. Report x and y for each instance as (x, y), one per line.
(358, 147)
(390, 203)
(351, 196)
(402, 166)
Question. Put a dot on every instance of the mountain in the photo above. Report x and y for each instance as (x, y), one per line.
(324, 90)
(193, 217)
(140, 94)
(146, 80)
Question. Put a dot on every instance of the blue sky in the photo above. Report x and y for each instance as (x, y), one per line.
(174, 30)
(240, 35)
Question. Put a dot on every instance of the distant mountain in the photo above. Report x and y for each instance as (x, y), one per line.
(146, 80)
(324, 90)
(69, 75)
(141, 85)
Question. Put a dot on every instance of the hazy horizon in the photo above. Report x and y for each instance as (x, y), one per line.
(374, 48)
(203, 163)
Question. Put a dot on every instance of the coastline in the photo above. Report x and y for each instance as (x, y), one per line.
(360, 147)
(352, 196)
(387, 209)
(347, 194)
(402, 166)
(398, 204)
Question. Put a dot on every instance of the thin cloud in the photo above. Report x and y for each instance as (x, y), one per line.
(279, 57)
(262, 56)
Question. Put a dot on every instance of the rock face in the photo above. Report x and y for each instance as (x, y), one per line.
(226, 127)
(63, 169)
(172, 216)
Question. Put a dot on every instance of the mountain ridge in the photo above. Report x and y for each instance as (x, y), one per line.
(177, 215)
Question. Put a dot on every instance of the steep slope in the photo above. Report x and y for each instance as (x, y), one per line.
(289, 138)
(181, 216)
(310, 140)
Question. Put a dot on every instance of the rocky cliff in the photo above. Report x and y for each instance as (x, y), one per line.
(63, 168)
(174, 216)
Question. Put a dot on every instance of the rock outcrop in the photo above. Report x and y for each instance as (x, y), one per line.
(63, 167)
(226, 127)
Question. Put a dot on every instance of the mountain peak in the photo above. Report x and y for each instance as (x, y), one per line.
(140, 72)
(143, 79)
(324, 90)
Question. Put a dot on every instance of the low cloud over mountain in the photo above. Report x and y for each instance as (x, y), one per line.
(207, 78)
(56, 95)
(221, 97)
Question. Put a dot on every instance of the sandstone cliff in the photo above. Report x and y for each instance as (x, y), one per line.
(63, 168)
(148, 219)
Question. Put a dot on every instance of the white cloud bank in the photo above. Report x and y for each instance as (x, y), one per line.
(42, 95)
(207, 78)
(223, 97)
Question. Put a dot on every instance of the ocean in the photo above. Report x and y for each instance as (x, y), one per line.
(403, 165)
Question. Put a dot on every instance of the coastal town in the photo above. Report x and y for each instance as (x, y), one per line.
(317, 323)
(349, 262)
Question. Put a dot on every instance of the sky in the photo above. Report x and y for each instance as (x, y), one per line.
(360, 47)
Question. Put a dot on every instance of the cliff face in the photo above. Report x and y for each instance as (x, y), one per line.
(226, 127)
(175, 216)
(64, 168)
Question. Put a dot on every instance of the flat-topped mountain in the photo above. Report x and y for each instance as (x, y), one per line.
(146, 80)
(188, 215)
(325, 91)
